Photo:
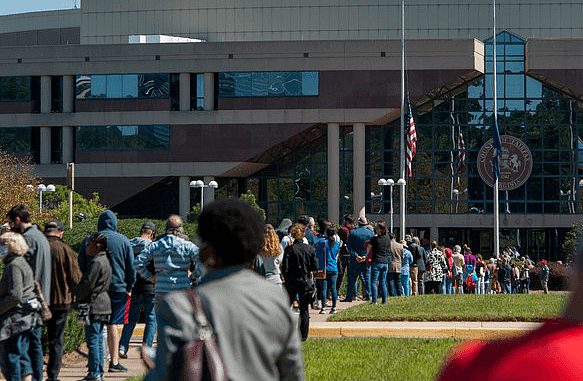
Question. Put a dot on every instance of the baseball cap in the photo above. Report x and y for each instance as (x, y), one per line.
(544, 261)
(149, 225)
(54, 224)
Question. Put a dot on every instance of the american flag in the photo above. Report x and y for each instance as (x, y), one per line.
(411, 140)
(461, 157)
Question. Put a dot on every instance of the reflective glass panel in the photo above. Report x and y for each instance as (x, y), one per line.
(98, 86)
(130, 86)
(122, 138)
(15, 139)
(113, 86)
(14, 88)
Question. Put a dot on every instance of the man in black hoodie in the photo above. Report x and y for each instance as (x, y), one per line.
(122, 281)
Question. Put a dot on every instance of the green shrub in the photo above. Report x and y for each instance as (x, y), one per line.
(559, 276)
(74, 334)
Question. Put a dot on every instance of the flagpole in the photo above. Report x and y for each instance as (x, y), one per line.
(402, 129)
(496, 202)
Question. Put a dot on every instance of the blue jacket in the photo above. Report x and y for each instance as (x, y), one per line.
(330, 253)
(544, 274)
(121, 257)
(406, 261)
(356, 241)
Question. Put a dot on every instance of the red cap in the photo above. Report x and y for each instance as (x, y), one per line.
(544, 261)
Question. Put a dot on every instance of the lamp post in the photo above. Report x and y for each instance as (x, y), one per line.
(389, 183)
(456, 193)
(200, 184)
(42, 188)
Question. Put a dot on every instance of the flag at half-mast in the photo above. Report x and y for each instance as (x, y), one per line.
(411, 139)
(461, 156)
(497, 148)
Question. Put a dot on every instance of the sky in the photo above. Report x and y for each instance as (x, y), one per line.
(10, 7)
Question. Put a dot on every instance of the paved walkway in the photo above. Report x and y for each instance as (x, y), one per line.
(74, 367)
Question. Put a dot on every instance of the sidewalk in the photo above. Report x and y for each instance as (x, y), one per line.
(74, 367)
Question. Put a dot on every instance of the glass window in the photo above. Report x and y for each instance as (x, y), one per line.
(534, 88)
(154, 86)
(113, 89)
(268, 84)
(515, 50)
(15, 139)
(243, 85)
(514, 67)
(130, 86)
(98, 86)
(260, 84)
(514, 86)
(310, 83)
(14, 88)
(122, 138)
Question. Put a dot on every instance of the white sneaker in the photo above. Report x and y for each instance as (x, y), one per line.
(333, 311)
(322, 311)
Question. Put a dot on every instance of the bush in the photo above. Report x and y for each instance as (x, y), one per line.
(74, 334)
(559, 276)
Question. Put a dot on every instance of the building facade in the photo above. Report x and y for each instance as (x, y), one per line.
(299, 103)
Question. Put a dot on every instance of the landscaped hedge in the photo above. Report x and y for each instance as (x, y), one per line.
(559, 276)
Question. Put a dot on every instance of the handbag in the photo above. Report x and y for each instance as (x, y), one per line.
(45, 311)
(199, 359)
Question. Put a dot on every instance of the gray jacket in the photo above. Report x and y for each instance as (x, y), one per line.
(256, 331)
(94, 286)
(39, 259)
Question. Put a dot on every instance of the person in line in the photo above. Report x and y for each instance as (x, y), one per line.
(16, 321)
(525, 279)
(254, 326)
(418, 266)
(438, 268)
(327, 252)
(39, 259)
(379, 248)
(65, 275)
(121, 259)
(344, 256)
(505, 275)
(173, 258)
(448, 280)
(394, 271)
(551, 352)
(544, 276)
(272, 255)
(358, 256)
(142, 298)
(405, 269)
(299, 261)
(94, 291)
(481, 274)
(460, 264)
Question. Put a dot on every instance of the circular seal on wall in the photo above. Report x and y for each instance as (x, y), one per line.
(515, 163)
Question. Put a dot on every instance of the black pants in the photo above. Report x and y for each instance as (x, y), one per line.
(343, 263)
(432, 287)
(305, 300)
(56, 336)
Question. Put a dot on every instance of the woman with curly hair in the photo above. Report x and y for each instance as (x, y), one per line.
(272, 254)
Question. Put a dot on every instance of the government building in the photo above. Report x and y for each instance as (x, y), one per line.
(299, 102)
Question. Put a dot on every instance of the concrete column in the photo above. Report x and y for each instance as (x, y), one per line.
(359, 163)
(209, 91)
(434, 234)
(45, 94)
(184, 91)
(333, 173)
(45, 145)
(183, 196)
(67, 145)
(209, 193)
(68, 93)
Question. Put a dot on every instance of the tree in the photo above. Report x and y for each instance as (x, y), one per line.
(57, 204)
(15, 177)
(249, 197)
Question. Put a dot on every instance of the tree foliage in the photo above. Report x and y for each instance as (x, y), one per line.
(16, 175)
(57, 203)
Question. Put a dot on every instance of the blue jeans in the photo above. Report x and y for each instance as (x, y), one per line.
(449, 286)
(329, 282)
(358, 270)
(147, 300)
(405, 284)
(378, 272)
(506, 288)
(394, 281)
(35, 352)
(94, 339)
(15, 362)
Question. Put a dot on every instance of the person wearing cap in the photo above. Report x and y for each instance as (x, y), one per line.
(142, 296)
(358, 268)
(544, 277)
(172, 258)
(551, 352)
(65, 275)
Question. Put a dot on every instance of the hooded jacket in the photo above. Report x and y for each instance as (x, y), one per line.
(121, 257)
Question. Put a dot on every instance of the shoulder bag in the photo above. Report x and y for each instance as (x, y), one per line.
(321, 274)
(199, 359)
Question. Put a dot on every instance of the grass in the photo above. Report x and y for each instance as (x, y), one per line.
(374, 358)
(517, 307)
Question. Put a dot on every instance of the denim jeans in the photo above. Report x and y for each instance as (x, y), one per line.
(394, 281)
(35, 352)
(14, 355)
(506, 288)
(405, 284)
(329, 283)
(94, 339)
(378, 272)
(137, 300)
(358, 270)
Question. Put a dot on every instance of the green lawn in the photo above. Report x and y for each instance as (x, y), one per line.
(373, 359)
(518, 307)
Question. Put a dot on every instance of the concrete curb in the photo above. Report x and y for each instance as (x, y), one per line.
(438, 332)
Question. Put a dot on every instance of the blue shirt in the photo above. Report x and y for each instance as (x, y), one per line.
(356, 241)
(406, 261)
(172, 257)
(329, 253)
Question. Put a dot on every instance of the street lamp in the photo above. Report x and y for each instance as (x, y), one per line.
(389, 183)
(456, 193)
(42, 188)
(200, 184)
